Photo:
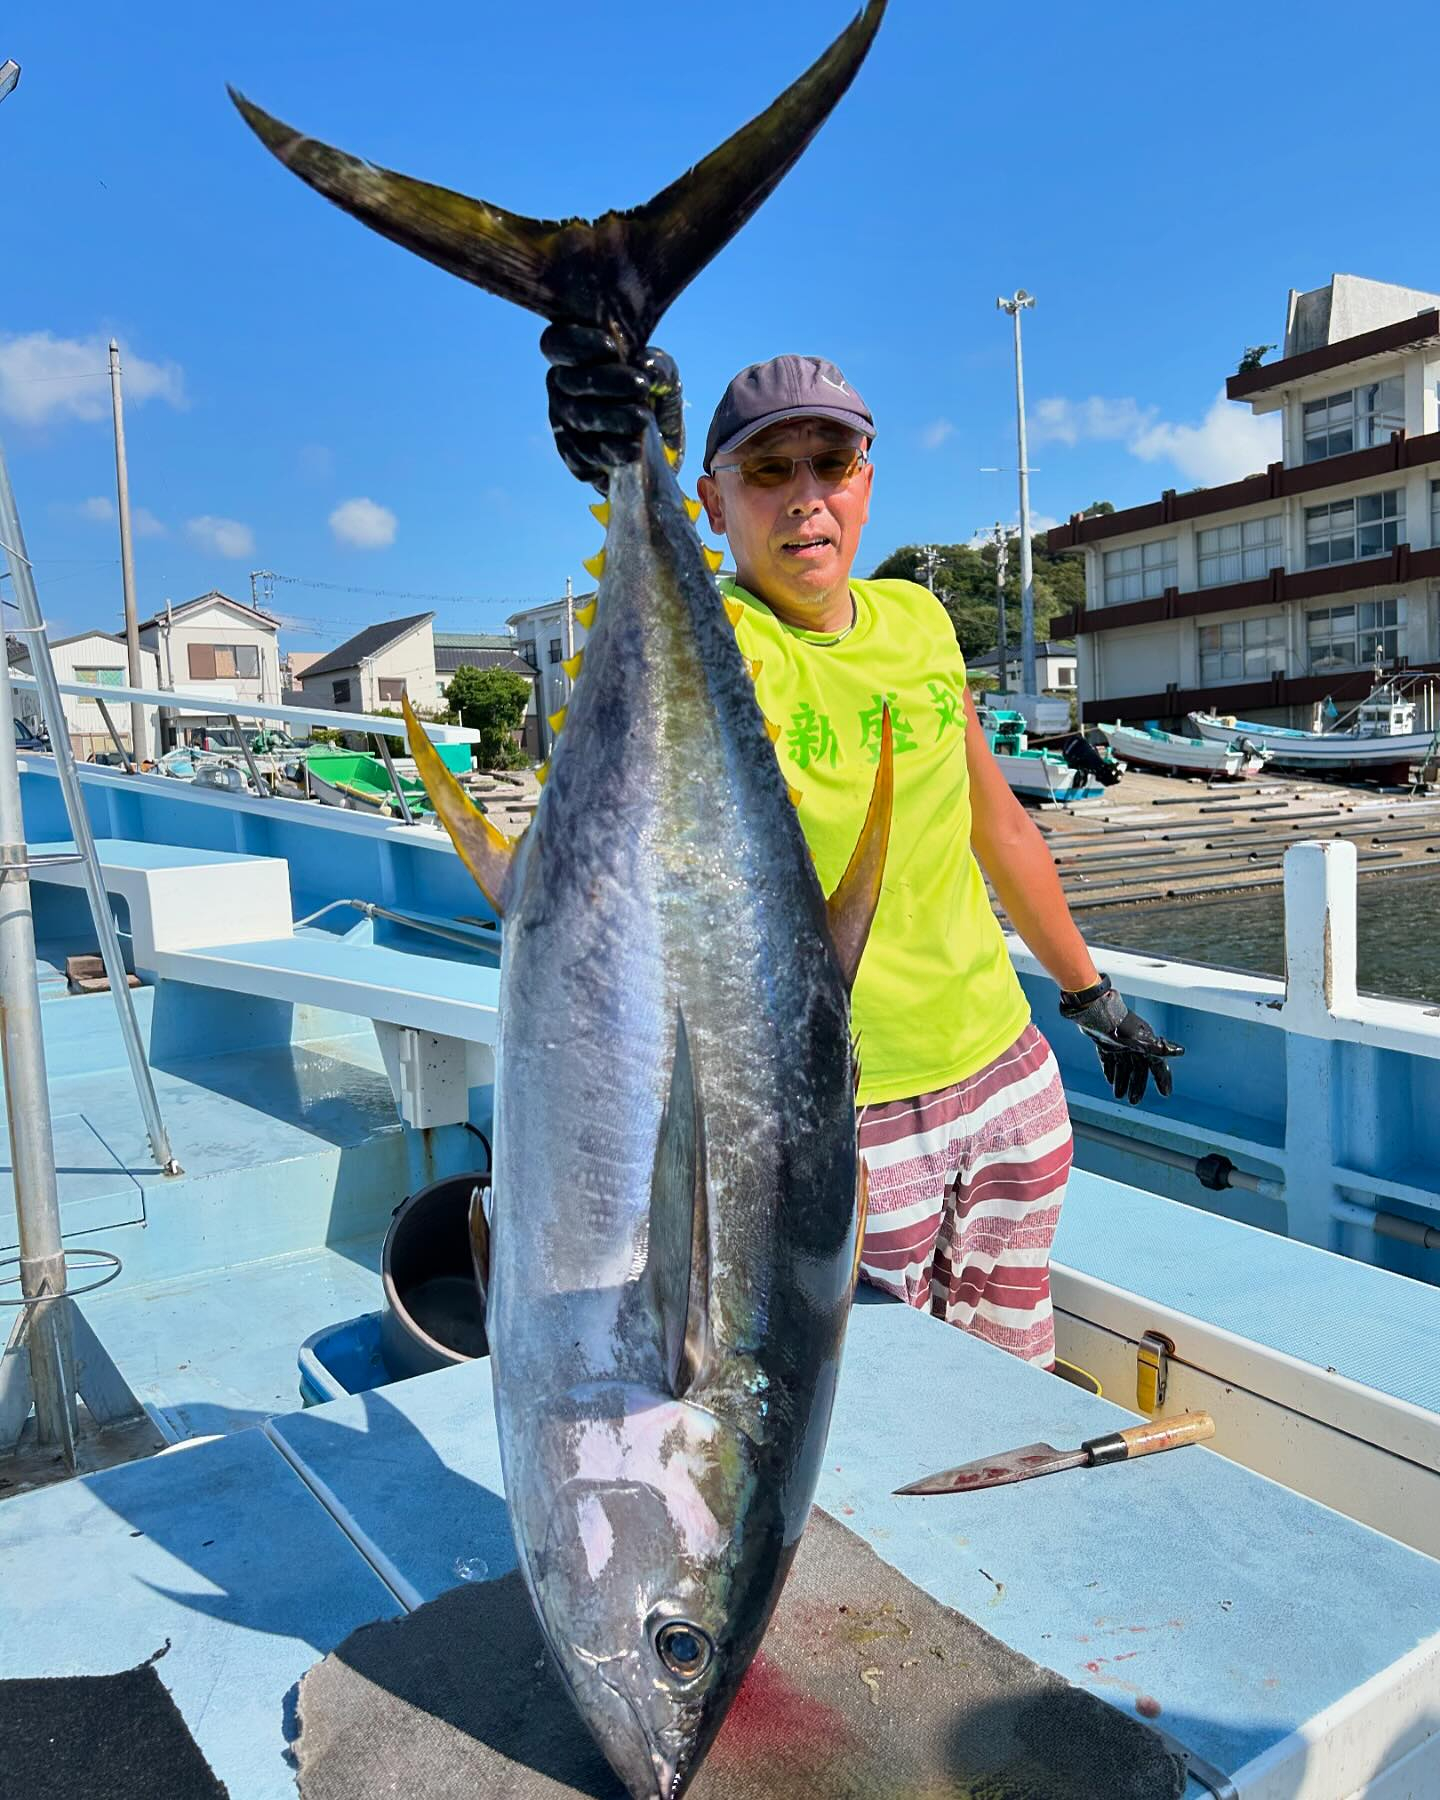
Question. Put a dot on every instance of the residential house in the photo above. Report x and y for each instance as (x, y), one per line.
(547, 637)
(219, 645)
(378, 667)
(1269, 596)
(90, 656)
(293, 665)
(486, 650)
(1054, 666)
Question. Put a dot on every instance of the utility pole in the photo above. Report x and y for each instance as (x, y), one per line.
(1015, 307)
(139, 745)
(1002, 564)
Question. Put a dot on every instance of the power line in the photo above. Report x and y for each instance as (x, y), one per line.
(264, 580)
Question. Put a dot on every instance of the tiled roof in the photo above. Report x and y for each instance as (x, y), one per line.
(365, 645)
(450, 658)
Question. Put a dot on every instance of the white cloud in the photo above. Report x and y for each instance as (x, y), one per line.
(43, 377)
(1061, 421)
(98, 510)
(363, 524)
(222, 537)
(935, 433)
(317, 462)
(1230, 441)
(144, 523)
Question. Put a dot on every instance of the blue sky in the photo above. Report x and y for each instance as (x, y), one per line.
(304, 397)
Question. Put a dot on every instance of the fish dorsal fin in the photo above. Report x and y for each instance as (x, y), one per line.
(851, 908)
(487, 853)
(621, 271)
(677, 1266)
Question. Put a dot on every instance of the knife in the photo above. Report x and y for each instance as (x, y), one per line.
(1044, 1459)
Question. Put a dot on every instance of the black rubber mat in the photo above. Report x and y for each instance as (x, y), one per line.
(99, 1737)
(865, 1689)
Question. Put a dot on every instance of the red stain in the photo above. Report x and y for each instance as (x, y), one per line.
(1147, 1707)
(770, 1716)
(849, 1511)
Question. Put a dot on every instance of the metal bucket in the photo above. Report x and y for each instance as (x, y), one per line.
(432, 1315)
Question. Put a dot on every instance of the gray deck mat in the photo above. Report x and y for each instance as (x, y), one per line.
(99, 1737)
(864, 1687)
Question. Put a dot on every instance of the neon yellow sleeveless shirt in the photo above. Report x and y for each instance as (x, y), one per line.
(936, 998)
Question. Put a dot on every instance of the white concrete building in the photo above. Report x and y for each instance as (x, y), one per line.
(93, 656)
(219, 645)
(1055, 662)
(547, 636)
(378, 667)
(1269, 595)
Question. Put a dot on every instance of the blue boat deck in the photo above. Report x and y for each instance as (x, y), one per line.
(1180, 1587)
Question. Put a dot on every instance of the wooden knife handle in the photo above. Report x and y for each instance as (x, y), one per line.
(1153, 1435)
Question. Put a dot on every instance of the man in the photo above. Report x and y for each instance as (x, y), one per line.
(963, 1123)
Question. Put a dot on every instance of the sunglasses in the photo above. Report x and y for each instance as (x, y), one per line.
(832, 467)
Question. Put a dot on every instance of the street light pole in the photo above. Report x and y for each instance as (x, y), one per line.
(140, 748)
(1015, 307)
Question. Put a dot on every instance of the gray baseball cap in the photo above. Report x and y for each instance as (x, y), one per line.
(786, 387)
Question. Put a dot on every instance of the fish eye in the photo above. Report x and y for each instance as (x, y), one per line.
(685, 1649)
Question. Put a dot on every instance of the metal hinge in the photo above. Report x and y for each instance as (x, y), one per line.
(1152, 1370)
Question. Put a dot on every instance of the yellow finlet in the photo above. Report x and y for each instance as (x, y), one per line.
(795, 795)
(713, 558)
(557, 719)
(734, 609)
(693, 507)
(594, 565)
(485, 852)
(672, 457)
(542, 772)
(571, 664)
(772, 731)
(601, 510)
(754, 665)
(586, 614)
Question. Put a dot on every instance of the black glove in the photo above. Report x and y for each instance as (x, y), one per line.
(600, 404)
(1130, 1052)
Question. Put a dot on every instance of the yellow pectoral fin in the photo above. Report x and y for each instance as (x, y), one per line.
(851, 908)
(485, 852)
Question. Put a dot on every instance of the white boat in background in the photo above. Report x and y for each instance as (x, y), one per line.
(1380, 741)
(1037, 774)
(1150, 748)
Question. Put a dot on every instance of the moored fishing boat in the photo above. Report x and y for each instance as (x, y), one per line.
(1378, 741)
(1151, 748)
(1038, 774)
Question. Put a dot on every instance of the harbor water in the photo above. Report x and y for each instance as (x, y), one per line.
(1398, 928)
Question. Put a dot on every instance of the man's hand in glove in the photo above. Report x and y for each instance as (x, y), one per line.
(1130, 1052)
(600, 404)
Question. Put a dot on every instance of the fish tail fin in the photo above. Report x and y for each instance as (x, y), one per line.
(620, 271)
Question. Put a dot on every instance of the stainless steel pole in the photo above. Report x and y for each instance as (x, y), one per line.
(32, 627)
(1002, 562)
(140, 747)
(27, 1108)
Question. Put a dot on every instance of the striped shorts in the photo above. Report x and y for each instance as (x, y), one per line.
(965, 1192)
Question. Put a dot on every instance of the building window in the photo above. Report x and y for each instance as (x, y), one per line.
(557, 650)
(101, 677)
(1347, 530)
(526, 648)
(1245, 552)
(1242, 649)
(1435, 514)
(1065, 676)
(1354, 420)
(1352, 637)
(340, 693)
(1142, 572)
(224, 662)
(391, 689)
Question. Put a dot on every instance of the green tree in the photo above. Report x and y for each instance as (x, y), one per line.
(492, 702)
(964, 583)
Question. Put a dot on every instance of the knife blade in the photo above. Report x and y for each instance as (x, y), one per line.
(1031, 1460)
